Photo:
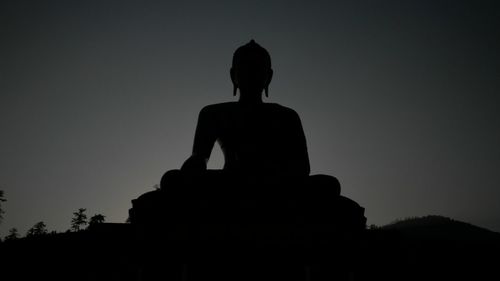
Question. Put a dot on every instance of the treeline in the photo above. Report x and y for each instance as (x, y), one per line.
(80, 221)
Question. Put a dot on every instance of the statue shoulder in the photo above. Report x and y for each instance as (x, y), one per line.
(217, 108)
(283, 110)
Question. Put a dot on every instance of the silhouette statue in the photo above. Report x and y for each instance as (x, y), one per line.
(262, 199)
(255, 137)
(259, 140)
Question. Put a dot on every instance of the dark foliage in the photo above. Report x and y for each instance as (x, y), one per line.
(96, 219)
(2, 199)
(13, 235)
(79, 220)
(38, 229)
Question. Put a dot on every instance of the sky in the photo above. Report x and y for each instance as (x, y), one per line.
(400, 100)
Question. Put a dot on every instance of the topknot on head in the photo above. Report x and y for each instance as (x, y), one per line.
(253, 55)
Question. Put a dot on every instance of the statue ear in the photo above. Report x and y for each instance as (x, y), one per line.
(235, 89)
(266, 91)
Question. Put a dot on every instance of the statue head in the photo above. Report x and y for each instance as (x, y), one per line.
(251, 70)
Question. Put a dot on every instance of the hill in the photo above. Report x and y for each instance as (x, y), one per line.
(435, 248)
(442, 228)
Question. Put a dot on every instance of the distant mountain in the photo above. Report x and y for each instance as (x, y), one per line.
(441, 228)
(432, 248)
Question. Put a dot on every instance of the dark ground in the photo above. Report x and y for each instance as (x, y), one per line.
(430, 248)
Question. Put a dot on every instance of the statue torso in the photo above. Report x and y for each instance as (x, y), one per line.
(259, 137)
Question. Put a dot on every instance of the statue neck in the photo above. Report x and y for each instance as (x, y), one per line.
(250, 97)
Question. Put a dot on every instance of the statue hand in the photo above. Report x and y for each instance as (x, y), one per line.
(194, 164)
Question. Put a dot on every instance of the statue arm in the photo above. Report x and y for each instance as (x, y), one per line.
(204, 140)
(303, 165)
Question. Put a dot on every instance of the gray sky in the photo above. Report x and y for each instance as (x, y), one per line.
(398, 99)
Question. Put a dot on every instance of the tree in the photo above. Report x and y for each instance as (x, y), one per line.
(95, 219)
(13, 234)
(37, 230)
(2, 199)
(79, 220)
